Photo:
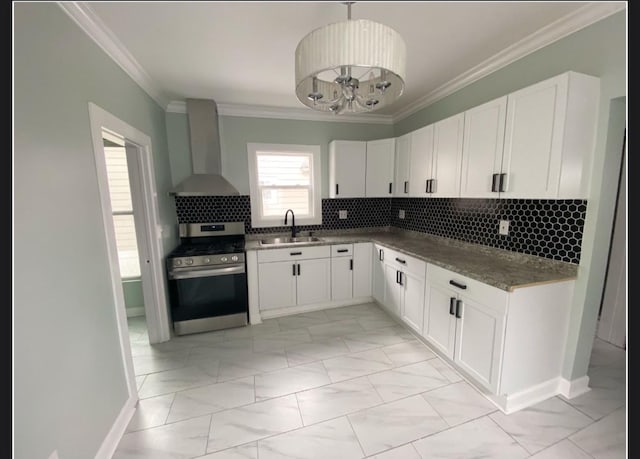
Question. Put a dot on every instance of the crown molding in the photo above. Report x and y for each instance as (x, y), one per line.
(567, 25)
(285, 113)
(82, 14)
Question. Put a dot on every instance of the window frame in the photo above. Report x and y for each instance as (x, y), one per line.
(315, 188)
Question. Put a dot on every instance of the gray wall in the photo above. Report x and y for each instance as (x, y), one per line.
(236, 132)
(68, 371)
(133, 297)
(598, 50)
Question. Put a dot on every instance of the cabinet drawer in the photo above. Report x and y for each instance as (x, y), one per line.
(294, 253)
(405, 262)
(342, 250)
(482, 293)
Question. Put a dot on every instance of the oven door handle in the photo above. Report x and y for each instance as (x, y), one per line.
(207, 272)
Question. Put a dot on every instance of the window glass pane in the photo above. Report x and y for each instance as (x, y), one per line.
(118, 175)
(284, 169)
(127, 245)
(276, 201)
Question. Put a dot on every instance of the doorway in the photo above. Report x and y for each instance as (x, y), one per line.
(144, 218)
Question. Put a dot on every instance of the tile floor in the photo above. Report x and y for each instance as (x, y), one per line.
(349, 383)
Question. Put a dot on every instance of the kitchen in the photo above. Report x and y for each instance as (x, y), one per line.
(65, 325)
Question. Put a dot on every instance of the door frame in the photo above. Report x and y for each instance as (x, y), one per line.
(152, 270)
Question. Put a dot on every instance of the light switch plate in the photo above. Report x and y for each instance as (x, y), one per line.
(401, 214)
(342, 214)
(504, 227)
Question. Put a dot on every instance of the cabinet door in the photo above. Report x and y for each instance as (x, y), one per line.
(362, 269)
(447, 156)
(439, 325)
(392, 290)
(276, 285)
(314, 281)
(377, 274)
(479, 340)
(420, 161)
(401, 179)
(533, 139)
(413, 300)
(379, 170)
(347, 163)
(341, 278)
(482, 149)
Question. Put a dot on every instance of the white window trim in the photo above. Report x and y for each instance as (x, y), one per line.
(259, 222)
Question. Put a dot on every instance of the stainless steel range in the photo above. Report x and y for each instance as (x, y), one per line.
(207, 278)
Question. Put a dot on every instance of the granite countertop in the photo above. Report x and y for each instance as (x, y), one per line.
(496, 267)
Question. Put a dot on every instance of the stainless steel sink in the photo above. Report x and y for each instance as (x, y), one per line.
(289, 240)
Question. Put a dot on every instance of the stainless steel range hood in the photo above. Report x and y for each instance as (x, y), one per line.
(207, 179)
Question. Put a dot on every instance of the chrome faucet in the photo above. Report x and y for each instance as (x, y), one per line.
(293, 222)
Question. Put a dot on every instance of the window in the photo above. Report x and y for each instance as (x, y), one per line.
(284, 177)
(122, 208)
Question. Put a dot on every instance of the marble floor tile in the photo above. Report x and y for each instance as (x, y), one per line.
(253, 422)
(212, 398)
(408, 380)
(606, 438)
(543, 424)
(145, 364)
(401, 452)
(248, 451)
(211, 337)
(458, 403)
(604, 397)
(279, 341)
(305, 320)
(408, 352)
(446, 370)
(395, 423)
(476, 439)
(290, 380)
(356, 364)
(604, 354)
(331, 439)
(151, 412)
(299, 354)
(337, 399)
(562, 450)
(379, 337)
(352, 312)
(139, 380)
(265, 328)
(251, 364)
(174, 380)
(335, 329)
(168, 347)
(181, 440)
(373, 321)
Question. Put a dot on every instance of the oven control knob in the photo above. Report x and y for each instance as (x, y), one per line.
(177, 262)
(207, 260)
(234, 258)
(189, 261)
(223, 259)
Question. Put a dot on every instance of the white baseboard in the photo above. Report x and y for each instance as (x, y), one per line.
(111, 441)
(526, 398)
(135, 312)
(573, 388)
(281, 312)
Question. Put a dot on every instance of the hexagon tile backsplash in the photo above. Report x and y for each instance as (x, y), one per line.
(546, 228)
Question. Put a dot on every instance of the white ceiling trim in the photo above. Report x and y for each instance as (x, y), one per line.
(581, 18)
(285, 113)
(92, 25)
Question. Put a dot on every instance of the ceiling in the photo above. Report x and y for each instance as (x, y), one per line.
(242, 53)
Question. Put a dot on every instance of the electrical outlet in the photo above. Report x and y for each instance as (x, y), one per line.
(342, 214)
(401, 214)
(504, 227)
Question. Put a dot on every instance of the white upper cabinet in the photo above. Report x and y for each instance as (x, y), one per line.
(403, 152)
(347, 162)
(379, 169)
(482, 149)
(447, 157)
(421, 159)
(549, 138)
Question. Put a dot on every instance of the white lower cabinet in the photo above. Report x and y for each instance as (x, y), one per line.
(465, 320)
(296, 276)
(342, 272)
(377, 273)
(404, 287)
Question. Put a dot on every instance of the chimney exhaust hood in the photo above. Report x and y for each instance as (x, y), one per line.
(204, 140)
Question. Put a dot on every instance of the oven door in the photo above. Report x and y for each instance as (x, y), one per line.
(210, 298)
